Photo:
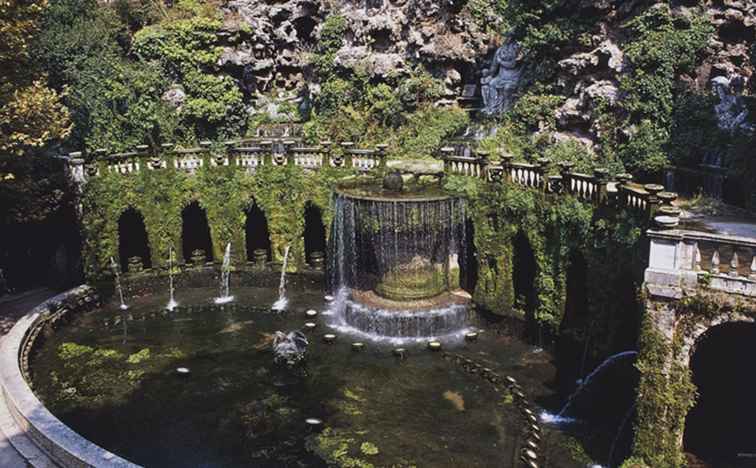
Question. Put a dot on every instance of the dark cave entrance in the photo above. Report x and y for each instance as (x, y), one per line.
(256, 232)
(719, 428)
(523, 281)
(314, 231)
(195, 232)
(132, 239)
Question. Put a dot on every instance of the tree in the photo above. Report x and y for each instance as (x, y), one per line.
(31, 114)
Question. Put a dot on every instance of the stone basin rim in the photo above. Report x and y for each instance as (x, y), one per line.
(401, 197)
(56, 444)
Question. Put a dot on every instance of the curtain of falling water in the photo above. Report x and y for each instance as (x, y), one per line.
(373, 238)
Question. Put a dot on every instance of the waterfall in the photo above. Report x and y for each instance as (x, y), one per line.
(281, 303)
(171, 290)
(562, 416)
(114, 267)
(225, 287)
(391, 260)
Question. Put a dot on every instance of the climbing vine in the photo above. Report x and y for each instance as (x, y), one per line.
(225, 194)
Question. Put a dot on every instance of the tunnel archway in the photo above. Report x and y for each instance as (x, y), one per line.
(314, 231)
(256, 233)
(524, 271)
(719, 428)
(132, 239)
(195, 232)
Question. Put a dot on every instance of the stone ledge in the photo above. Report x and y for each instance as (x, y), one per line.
(59, 443)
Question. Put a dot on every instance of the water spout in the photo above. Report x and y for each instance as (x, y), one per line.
(114, 267)
(171, 289)
(281, 303)
(563, 415)
(225, 287)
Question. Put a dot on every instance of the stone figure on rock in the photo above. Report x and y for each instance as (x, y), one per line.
(499, 82)
(732, 113)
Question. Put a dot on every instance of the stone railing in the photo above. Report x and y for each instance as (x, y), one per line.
(681, 259)
(247, 155)
(596, 188)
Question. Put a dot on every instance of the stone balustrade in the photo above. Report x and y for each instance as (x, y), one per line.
(681, 259)
(250, 154)
(247, 155)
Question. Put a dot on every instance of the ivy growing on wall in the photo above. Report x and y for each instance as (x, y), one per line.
(223, 192)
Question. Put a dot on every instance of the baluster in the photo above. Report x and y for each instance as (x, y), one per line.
(753, 268)
(715, 261)
(734, 263)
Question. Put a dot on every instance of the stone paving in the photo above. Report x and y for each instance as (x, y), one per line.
(11, 309)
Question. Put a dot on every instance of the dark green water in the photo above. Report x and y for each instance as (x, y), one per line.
(237, 408)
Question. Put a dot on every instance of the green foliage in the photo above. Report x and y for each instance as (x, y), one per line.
(694, 131)
(180, 46)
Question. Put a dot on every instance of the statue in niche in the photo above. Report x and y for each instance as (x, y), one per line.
(732, 113)
(500, 81)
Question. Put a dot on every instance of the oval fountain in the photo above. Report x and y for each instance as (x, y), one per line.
(394, 267)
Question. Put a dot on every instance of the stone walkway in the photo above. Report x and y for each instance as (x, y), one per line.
(11, 309)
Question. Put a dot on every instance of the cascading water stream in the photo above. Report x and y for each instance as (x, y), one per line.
(114, 267)
(282, 302)
(225, 286)
(562, 416)
(393, 261)
(171, 289)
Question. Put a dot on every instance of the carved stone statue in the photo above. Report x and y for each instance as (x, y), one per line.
(500, 81)
(732, 113)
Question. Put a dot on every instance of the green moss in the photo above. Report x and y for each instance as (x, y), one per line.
(67, 351)
(369, 448)
(138, 357)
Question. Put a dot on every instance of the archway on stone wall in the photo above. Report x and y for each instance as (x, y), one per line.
(132, 238)
(572, 346)
(195, 232)
(314, 231)
(256, 232)
(524, 271)
(719, 428)
(468, 260)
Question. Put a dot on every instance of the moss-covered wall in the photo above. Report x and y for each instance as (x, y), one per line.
(225, 193)
(556, 227)
(666, 392)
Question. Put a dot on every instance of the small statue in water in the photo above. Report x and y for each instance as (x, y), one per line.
(500, 81)
(288, 348)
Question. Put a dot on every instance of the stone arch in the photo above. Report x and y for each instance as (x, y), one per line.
(195, 231)
(132, 239)
(720, 360)
(314, 231)
(256, 232)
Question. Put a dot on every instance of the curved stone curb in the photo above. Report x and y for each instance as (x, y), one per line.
(56, 440)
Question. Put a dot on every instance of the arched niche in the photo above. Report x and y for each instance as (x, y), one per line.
(256, 233)
(314, 231)
(195, 232)
(132, 239)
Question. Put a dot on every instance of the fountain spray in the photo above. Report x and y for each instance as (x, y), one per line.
(114, 267)
(171, 289)
(225, 288)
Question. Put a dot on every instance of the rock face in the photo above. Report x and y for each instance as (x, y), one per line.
(270, 41)
(270, 44)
